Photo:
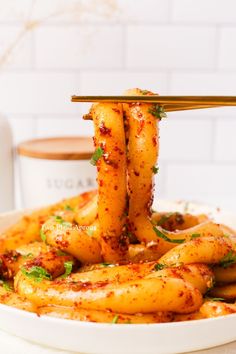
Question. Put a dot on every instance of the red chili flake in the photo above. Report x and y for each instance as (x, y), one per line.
(104, 130)
(140, 115)
(154, 140)
(116, 110)
(141, 125)
(61, 242)
(116, 148)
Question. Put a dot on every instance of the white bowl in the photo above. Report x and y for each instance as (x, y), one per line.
(96, 338)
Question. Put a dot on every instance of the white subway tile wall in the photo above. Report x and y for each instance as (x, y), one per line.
(50, 50)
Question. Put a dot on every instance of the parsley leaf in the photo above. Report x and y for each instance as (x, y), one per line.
(157, 111)
(68, 269)
(115, 319)
(36, 273)
(228, 260)
(96, 156)
(159, 266)
(165, 237)
(155, 169)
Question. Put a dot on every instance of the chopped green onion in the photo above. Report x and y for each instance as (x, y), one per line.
(166, 238)
(68, 269)
(6, 286)
(215, 298)
(68, 207)
(106, 264)
(155, 170)
(115, 319)
(61, 221)
(159, 266)
(193, 236)
(228, 260)
(43, 236)
(144, 92)
(28, 255)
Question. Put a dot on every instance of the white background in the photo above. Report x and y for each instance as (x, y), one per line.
(62, 47)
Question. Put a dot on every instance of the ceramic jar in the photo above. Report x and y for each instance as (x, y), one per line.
(55, 168)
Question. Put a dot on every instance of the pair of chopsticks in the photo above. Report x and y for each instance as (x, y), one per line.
(170, 103)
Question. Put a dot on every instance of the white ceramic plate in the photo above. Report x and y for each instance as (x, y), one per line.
(94, 338)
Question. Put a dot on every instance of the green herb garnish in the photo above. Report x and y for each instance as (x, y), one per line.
(106, 264)
(215, 298)
(165, 237)
(28, 255)
(193, 236)
(6, 286)
(159, 266)
(228, 260)
(155, 169)
(36, 273)
(61, 253)
(68, 269)
(58, 219)
(144, 92)
(43, 236)
(68, 207)
(157, 111)
(61, 221)
(115, 319)
(96, 156)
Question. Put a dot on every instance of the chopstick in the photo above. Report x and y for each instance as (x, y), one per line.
(174, 108)
(163, 100)
(168, 108)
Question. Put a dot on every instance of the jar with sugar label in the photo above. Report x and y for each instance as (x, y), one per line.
(6, 167)
(52, 169)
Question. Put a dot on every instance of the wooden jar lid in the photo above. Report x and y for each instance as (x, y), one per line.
(67, 148)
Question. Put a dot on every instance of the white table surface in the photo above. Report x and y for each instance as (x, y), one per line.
(13, 345)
